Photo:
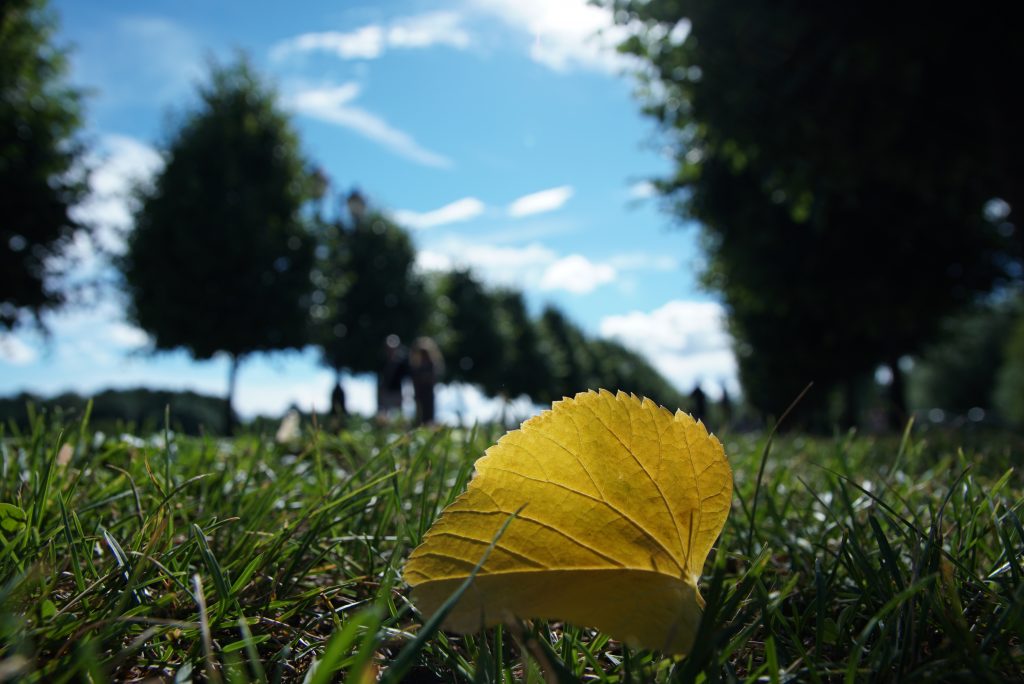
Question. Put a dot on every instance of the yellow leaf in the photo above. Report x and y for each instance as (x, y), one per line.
(622, 501)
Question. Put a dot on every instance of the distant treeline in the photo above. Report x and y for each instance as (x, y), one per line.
(138, 410)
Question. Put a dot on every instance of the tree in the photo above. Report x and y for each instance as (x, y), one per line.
(366, 289)
(619, 368)
(219, 259)
(841, 168)
(565, 347)
(1009, 389)
(577, 363)
(958, 371)
(41, 171)
(525, 368)
(465, 325)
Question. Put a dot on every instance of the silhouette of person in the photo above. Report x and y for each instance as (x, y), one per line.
(425, 368)
(389, 380)
(726, 406)
(698, 403)
(338, 410)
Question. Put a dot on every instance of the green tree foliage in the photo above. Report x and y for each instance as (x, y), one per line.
(565, 346)
(617, 367)
(219, 260)
(489, 340)
(576, 363)
(465, 324)
(41, 175)
(958, 371)
(840, 168)
(526, 369)
(138, 410)
(1009, 389)
(366, 289)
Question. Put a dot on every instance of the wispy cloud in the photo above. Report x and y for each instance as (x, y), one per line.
(460, 210)
(139, 60)
(373, 40)
(333, 105)
(540, 202)
(577, 274)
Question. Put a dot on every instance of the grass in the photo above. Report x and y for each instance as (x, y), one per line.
(179, 558)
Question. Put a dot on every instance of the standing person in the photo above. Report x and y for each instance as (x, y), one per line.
(390, 377)
(426, 366)
(698, 403)
(726, 406)
(339, 413)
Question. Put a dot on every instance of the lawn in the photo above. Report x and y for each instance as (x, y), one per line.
(852, 558)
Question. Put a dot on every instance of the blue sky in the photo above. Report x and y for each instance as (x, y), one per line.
(503, 133)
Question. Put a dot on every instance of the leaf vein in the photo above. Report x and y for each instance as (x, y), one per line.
(548, 526)
(605, 503)
(650, 477)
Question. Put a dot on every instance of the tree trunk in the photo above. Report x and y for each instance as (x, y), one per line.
(897, 397)
(229, 401)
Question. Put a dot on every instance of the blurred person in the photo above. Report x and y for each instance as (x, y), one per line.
(698, 403)
(725, 405)
(426, 365)
(390, 378)
(339, 413)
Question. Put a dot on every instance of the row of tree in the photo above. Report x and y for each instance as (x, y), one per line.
(856, 173)
(231, 253)
(857, 186)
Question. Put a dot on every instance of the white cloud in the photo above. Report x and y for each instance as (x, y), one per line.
(363, 43)
(127, 336)
(563, 34)
(459, 210)
(533, 265)
(373, 40)
(642, 190)
(96, 338)
(425, 30)
(466, 405)
(577, 274)
(540, 202)
(15, 352)
(333, 105)
(518, 267)
(685, 340)
(118, 165)
(121, 164)
(429, 260)
(272, 394)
